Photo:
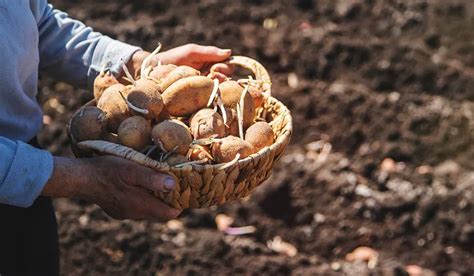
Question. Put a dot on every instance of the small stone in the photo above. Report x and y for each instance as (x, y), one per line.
(292, 80)
(421, 242)
(394, 96)
(337, 88)
(363, 190)
(319, 218)
(387, 165)
(336, 266)
(174, 225)
(270, 23)
(449, 250)
(84, 220)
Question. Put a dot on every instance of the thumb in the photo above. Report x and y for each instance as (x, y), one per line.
(154, 181)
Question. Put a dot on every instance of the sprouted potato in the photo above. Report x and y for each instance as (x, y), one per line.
(88, 123)
(103, 81)
(225, 150)
(207, 123)
(161, 71)
(187, 95)
(231, 92)
(178, 73)
(135, 132)
(114, 106)
(260, 135)
(172, 136)
(145, 99)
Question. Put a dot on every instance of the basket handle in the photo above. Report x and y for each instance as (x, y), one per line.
(124, 152)
(257, 69)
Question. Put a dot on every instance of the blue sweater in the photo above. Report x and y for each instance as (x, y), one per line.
(34, 37)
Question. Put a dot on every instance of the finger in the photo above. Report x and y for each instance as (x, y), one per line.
(208, 53)
(150, 179)
(217, 75)
(150, 207)
(226, 69)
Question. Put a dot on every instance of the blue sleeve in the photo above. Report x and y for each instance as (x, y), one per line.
(24, 170)
(72, 52)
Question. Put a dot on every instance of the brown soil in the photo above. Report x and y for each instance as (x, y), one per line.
(376, 80)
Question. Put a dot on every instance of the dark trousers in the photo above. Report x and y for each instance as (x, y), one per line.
(29, 239)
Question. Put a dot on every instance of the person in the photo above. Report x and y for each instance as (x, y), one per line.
(36, 37)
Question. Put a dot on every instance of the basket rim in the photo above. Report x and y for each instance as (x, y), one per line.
(283, 138)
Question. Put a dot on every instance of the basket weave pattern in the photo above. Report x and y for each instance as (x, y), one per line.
(207, 185)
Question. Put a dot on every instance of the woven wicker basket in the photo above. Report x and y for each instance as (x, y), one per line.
(206, 185)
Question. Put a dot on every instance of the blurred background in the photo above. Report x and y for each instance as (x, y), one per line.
(381, 159)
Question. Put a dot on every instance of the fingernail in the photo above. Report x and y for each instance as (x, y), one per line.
(169, 183)
(224, 51)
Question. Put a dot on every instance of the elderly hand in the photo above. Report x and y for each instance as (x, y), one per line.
(197, 56)
(123, 189)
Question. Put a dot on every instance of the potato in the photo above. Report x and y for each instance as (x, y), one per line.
(88, 123)
(102, 82)
(207, 123)
(161, 71)
(227, 148)
(260, 135)
(188, 95)
(178, 73)
(135, 133)
(231, 91)
(171, 134)
(114, 106)
(145, 94)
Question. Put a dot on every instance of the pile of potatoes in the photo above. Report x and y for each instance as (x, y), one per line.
(175, 114)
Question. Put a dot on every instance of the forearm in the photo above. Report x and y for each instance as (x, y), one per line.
(71, 178)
